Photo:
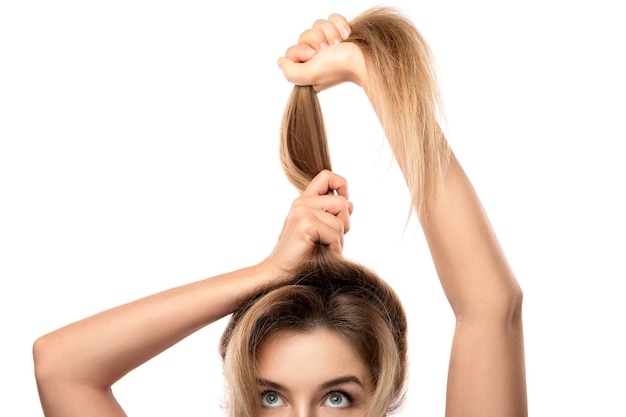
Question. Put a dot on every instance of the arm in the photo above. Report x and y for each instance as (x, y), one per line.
(487, 371)
(75, 366)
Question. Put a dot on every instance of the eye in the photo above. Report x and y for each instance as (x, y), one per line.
(271, 399)
(338, 399)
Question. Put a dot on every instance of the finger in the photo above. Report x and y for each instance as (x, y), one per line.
(315, 38)
(295, 72)
(314, 225)
(329, 236)
(326, 181)
(341, 24)
(334, 222)
(337, 206)
(300, 52)
(330, 209)
(333, 204)
(331, 33)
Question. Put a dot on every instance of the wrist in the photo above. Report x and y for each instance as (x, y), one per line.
(357, 66)
(268, 270)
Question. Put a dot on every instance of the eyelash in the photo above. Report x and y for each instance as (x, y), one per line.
(348, 396)
(268, 391)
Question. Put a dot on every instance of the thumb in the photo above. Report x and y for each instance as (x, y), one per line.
(293, 71)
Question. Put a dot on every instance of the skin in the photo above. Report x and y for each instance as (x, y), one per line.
(76, 365)
(331, 379)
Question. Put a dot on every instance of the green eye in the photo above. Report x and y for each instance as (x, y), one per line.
(271, 399)
(338, 399)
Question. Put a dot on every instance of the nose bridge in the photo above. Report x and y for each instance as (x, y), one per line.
(303, 409)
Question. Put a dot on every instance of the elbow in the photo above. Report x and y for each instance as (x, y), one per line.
(39, 362)
(509, 306)
(502, 304)
(506, 305)
(515, 309)
(507, 309)
(45, 365)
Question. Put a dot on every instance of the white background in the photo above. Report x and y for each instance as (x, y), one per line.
(138, 151)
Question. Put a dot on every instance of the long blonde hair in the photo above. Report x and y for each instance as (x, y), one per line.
(329, 291)
(403, 90)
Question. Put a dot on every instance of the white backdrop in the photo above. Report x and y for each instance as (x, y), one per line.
(138, 151)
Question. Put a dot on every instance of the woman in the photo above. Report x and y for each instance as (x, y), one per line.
(312, 333)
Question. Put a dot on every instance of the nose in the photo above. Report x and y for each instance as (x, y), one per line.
(303, 410)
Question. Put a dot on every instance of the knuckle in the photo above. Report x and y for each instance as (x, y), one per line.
(337, 240)
(308, 226)
(338, 226)
(291, 52)
(298, 208)
(335, 17)
(312, 36)
(325, 174)
(343, 227)
(339, 21)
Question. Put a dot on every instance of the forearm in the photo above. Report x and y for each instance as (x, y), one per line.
(471, 265)
(487, 370)
(97, 351)
(486, 375)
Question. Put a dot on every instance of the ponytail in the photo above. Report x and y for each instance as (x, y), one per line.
(403, 90)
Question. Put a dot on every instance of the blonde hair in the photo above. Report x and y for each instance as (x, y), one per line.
(329, 291)
(403, 90)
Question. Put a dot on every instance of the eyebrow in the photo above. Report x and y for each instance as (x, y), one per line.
(349, 379)
(342, 380)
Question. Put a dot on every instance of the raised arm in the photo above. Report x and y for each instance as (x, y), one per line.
(76, 365)
(487, 371)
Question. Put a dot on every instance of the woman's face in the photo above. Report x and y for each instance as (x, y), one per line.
(316, 373)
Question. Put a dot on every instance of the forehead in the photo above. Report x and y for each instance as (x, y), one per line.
(309, 359)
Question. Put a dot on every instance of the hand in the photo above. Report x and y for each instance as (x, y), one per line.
(322, 59)
(315, 217)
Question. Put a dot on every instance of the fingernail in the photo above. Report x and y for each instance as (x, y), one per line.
(323, 45)
(345, 33)
(337, 40)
